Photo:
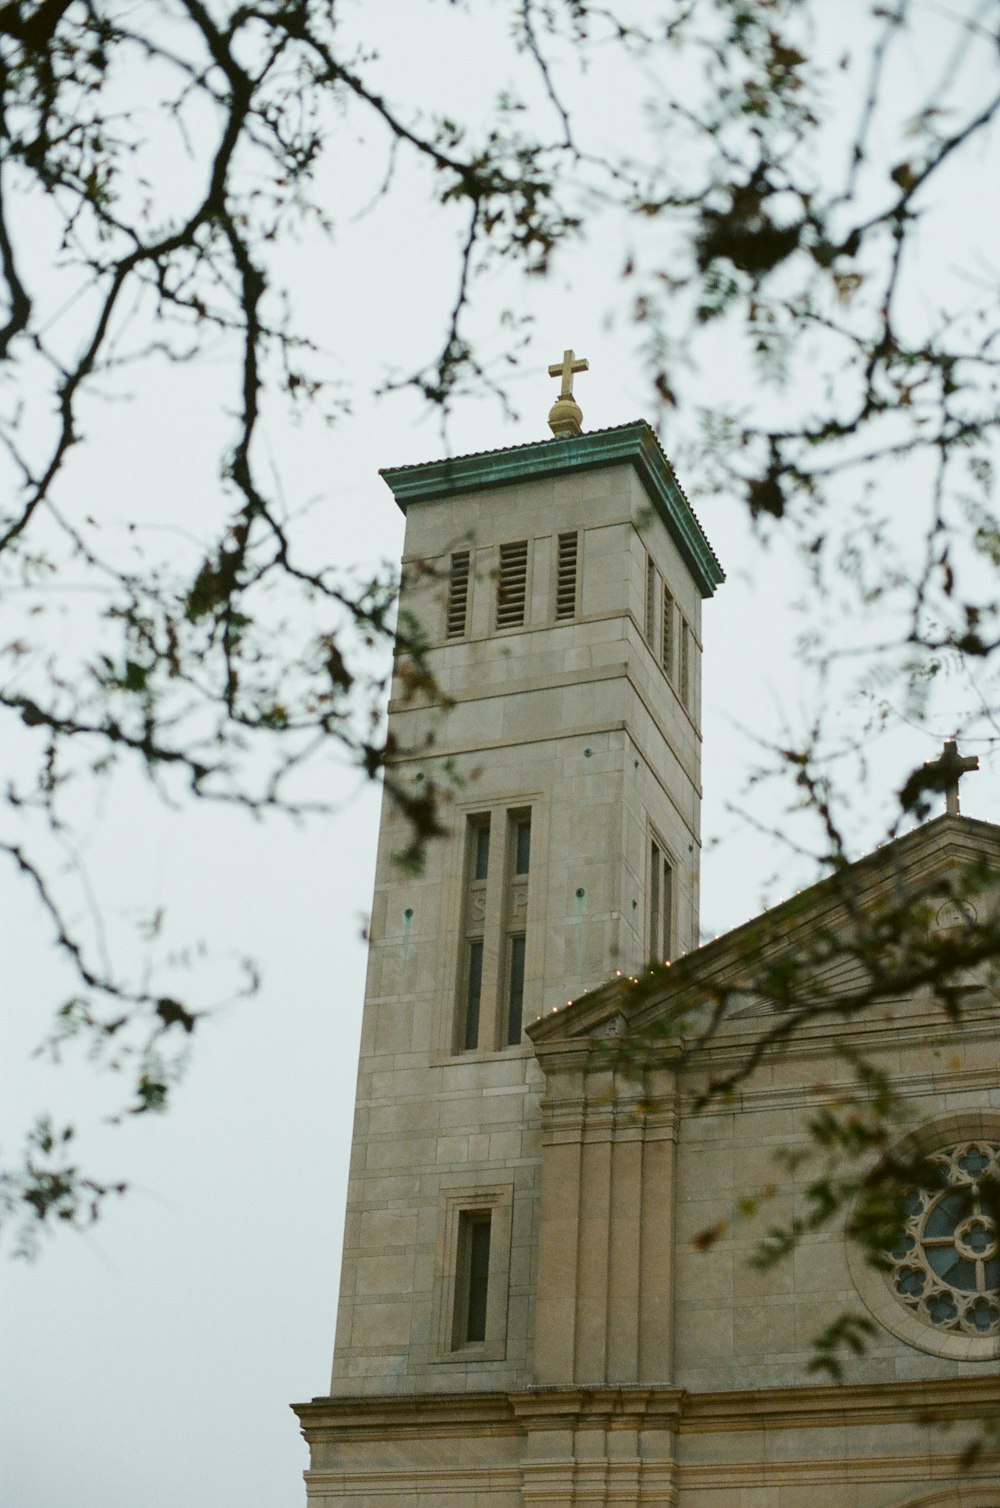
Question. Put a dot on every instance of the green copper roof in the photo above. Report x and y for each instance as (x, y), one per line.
(635, 444)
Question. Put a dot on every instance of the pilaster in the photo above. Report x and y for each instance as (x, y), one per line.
(606, 1225)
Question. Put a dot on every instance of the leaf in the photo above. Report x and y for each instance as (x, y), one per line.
(664, 389)
(710, 1236)
(172, 1013)
(765, 495)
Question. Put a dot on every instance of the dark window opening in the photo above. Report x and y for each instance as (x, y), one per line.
(515, 989)
(473, 995)
(522, 844)
(480, 850)
(667, 914)
(685, 665)
(489, 976)
(473, 1277)
(661, 905)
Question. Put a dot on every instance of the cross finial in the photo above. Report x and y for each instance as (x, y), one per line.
(565, 369)
(565, 417)
(953, 766)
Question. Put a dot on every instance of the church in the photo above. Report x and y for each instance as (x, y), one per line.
(575, 1125)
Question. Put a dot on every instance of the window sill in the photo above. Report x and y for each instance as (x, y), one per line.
(471, 1354)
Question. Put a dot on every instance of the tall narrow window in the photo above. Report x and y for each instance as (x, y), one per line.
(493, 955)
(515, 924)
(660, 937)
(522, 843)
(515, 989)
(685, 687)
(472, 1283)
(458, 595)
(480, 849)
(473, 994)
(667, 650)
(477, 864)
(566, 557)
(472, 1280)
(667, 913)
(512, 584)
(650, 623)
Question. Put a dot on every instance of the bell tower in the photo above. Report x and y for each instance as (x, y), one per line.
(559, 587)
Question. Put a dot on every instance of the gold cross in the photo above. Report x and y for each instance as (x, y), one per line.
(565, 370)
(953, 766)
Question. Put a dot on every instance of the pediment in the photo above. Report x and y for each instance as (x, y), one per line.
(928, 902)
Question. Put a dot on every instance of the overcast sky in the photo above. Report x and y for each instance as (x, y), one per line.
(152, 1360)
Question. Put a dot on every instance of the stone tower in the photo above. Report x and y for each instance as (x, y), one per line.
(559, 586)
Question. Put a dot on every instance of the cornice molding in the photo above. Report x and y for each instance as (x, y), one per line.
(962, 1400)
(937, 1399)
(917, 862)
(629, 444)
(904, 1470)
(379, 1416)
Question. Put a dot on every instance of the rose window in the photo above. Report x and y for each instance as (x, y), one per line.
(946, 1262)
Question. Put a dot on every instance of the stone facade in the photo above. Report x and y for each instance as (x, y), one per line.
(614, 1345)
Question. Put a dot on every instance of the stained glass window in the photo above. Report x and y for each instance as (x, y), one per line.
(946, 1259)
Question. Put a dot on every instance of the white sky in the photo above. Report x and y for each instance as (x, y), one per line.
(153, 1359)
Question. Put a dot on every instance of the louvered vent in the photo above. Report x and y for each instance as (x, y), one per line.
(566, 576)
(512, 584)
(685, 665)
(458, 595)
(667, 635)
(650, 624)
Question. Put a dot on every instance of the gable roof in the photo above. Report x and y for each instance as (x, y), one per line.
(905, 872)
